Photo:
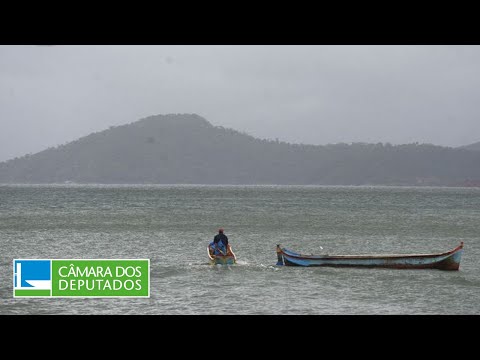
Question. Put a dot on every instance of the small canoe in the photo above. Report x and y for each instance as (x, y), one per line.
(228, 259)
(449, 260)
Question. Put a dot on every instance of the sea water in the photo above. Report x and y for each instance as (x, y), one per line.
(172, 225)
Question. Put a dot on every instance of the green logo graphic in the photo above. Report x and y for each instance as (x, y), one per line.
(81, 278)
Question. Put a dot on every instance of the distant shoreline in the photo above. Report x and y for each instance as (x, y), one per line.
(232, 185)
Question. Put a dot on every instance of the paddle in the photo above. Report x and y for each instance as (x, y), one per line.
(223, 254)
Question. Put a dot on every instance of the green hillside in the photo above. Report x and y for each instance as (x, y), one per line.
(187, 149)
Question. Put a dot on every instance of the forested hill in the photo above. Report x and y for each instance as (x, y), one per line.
(187, 149)
(475, 146)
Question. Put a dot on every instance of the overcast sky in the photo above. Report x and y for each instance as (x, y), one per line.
(305, 94)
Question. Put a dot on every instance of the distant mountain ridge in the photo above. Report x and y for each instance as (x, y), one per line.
(187, 149)
(474, 146)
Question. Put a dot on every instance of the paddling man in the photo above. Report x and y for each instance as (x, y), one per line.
(221, 237)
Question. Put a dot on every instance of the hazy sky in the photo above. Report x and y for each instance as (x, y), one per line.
(308, 94)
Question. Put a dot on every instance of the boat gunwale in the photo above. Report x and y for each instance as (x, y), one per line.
(379, 256)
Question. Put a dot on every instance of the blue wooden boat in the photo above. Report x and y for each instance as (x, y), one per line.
(228, 259)
(449, 260)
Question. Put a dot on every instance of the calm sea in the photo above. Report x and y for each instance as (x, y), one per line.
(172, 225)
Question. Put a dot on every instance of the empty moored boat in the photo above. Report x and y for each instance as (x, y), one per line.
(449, 260)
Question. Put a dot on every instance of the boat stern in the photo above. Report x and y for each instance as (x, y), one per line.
(279, 256)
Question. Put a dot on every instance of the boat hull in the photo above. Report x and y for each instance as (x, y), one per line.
(228, 259)
(223, 260)
(444, 261)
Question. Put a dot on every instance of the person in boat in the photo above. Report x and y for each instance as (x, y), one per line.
(219, 246)
(221, 237)
(217, 249)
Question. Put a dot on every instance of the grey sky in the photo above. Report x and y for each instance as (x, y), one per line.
(309, 94)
